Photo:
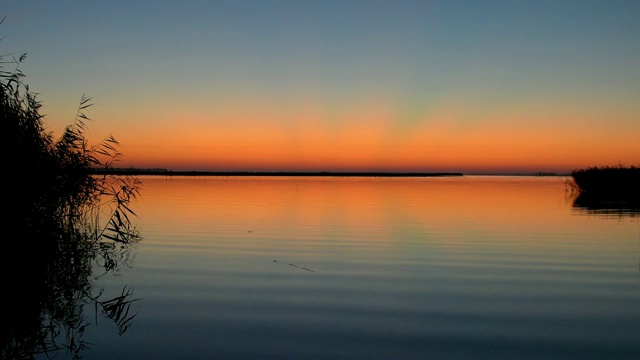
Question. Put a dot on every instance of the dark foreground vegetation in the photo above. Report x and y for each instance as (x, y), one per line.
(63, 225)
(609, 188)
(616, 181)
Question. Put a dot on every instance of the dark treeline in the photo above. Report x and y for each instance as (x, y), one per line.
(608, 180)
(155, 171)
(607, 189)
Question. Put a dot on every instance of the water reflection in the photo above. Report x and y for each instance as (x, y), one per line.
(47, 295)
(446, 268)
(598, 205)
(50, 269)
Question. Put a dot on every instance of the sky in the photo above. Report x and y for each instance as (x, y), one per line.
(466, 86)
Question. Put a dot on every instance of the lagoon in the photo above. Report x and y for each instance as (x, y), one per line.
(472, 267)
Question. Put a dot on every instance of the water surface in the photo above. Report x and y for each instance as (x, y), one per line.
(376, 268)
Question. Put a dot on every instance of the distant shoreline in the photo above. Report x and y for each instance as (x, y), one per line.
(165, 172)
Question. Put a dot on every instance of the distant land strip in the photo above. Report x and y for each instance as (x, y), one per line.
(165, 172)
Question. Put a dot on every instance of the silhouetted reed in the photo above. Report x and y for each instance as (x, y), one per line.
(55, 238)
(609, 180)
(609, 189)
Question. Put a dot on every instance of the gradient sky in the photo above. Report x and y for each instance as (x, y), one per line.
(470, 86)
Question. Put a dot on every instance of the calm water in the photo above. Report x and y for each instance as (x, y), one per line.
(376, 268)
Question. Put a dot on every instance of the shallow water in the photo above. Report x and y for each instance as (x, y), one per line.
(376, 268)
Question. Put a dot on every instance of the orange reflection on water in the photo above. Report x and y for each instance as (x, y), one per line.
(353, 215)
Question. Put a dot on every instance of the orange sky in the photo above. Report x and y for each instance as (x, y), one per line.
(334, 85)
(369, 137)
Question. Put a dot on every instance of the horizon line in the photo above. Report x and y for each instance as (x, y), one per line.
(168, 172)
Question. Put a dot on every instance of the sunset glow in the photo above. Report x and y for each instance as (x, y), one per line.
(471, 87)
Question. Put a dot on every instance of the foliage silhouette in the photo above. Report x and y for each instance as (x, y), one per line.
(55, 239)
(607, 190)
(608, 180)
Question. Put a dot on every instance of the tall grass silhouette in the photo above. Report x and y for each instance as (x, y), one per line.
(62, 224)
(608, 180)
(607, 189)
